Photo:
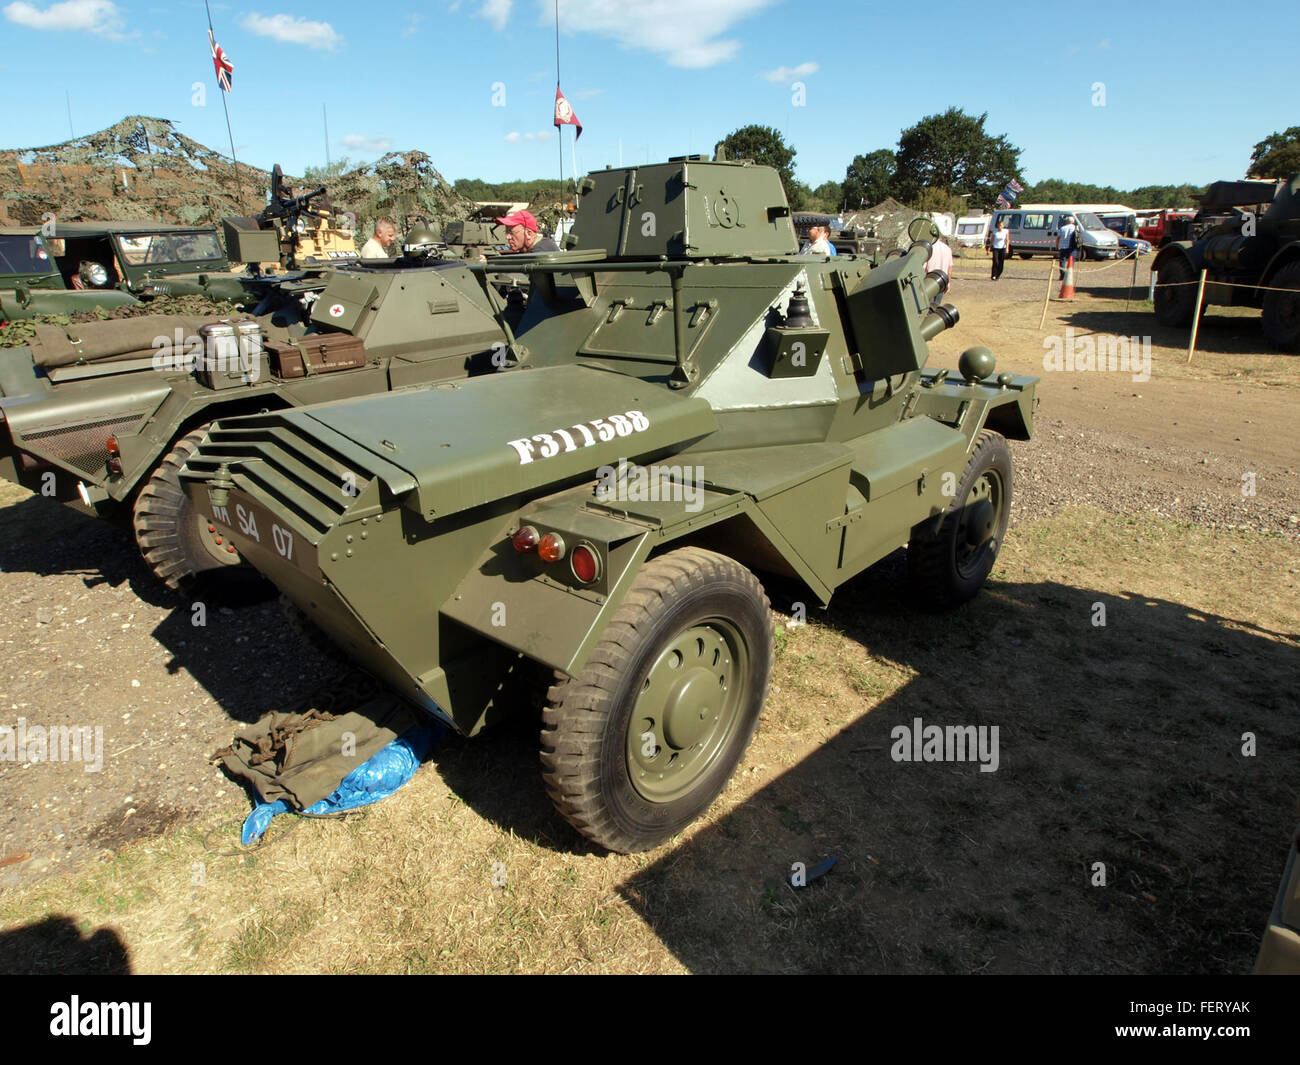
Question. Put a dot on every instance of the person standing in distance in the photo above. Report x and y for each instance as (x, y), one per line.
(1000, 242)
(1067, 241)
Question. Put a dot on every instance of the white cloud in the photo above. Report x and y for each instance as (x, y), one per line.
(587, 94)
(1105, 43)
(319, 35)
(412, 23)
(497, 12)
(515, 137)
(791, 73)
(684, 33)
(100, 17)
(358, 143)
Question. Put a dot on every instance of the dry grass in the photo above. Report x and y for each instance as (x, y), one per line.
(1118, 744)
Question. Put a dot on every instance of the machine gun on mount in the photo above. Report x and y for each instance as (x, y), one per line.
(292, 232)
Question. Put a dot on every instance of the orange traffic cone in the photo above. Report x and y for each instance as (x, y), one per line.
(1067, 279)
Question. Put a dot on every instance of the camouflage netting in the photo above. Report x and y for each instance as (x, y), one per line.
(402, 186)
(142, 168)
(139, 168)
(21, 331)
(888, 221)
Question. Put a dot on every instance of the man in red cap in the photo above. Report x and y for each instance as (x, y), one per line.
(522, 235)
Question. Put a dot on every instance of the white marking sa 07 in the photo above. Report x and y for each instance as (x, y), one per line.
(281, 537)
(548, 445)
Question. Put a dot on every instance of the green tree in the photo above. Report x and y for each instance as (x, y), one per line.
(953, 152)
(868, 179)
(321, 175)
(828, 196)
(1277, 155)
(765, 145)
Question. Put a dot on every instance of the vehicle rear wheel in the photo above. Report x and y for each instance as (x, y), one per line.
(950, 565)
(1026, 254)
(176, 540)
(639, 745)
(1175, 299)
(1281, 318)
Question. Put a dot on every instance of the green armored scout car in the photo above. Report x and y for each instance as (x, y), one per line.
(693, 402)
(106, 413)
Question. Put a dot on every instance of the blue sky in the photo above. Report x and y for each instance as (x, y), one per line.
(472, 82)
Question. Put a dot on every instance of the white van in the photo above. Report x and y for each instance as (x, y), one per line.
(1033, 228)
(972, 229)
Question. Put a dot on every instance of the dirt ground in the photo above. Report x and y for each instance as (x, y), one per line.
(1173, 502)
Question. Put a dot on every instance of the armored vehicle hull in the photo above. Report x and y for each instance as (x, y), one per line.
(688, 408)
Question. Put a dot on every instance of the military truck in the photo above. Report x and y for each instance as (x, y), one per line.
(693, 402)
(1249, 248)
(104, 414)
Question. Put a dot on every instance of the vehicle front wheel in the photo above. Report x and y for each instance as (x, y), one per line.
(949, 565)
(1175, 297)
(1026, 254)
(641, 742)
(176, 540)
(1281, 318)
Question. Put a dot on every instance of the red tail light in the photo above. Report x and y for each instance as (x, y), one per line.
(525, 539)
(585, 563)
(112, 445)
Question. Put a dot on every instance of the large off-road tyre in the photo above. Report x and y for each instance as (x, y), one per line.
(173, 536)
(639, 744)
(1282, 310)
(1175, 298)
(950, 565)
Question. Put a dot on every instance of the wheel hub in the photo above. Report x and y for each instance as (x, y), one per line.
(977, 531)
(687, 709)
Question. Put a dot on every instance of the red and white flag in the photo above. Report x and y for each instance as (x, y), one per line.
(224, 67)
(564, 115)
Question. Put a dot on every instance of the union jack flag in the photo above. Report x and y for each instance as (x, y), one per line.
(1015, 186)
(1003, 202)
(224, 67)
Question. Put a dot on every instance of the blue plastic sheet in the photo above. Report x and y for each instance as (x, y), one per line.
(371, 781)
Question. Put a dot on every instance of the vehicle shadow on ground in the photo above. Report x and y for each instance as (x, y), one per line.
(1218, 334)
(44, 537)
(55, 946)
(1120, 745)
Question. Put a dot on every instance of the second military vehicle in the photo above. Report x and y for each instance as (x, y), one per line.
(1250, 255)
(106, 413)
(693, 402)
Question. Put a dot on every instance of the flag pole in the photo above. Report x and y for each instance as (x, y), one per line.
(225, 107)
(559, 130)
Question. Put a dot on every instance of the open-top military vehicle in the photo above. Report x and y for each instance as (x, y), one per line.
(106, 413)
(1251, 258)
(693, 401)
(32, 281)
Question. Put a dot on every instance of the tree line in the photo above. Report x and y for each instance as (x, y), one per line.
(946, 162)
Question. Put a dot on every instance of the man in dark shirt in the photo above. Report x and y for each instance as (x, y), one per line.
(522, 235)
